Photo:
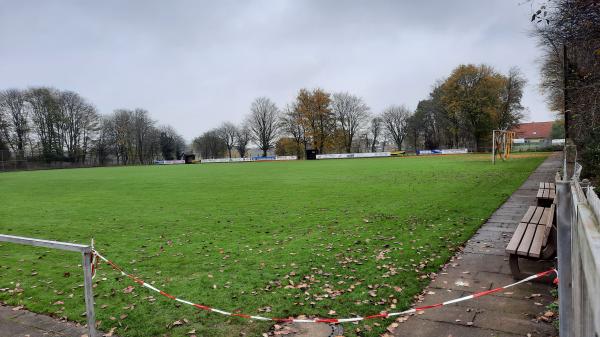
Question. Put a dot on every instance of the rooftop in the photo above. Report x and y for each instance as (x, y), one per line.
(534, 130)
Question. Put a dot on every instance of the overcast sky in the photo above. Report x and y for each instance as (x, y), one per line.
(195, 64)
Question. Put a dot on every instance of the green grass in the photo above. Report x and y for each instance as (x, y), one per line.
(233, 236)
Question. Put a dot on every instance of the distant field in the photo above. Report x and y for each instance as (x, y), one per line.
(353, 236)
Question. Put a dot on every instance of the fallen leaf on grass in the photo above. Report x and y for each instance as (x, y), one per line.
(111, 332)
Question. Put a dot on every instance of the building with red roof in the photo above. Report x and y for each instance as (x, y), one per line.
(534, 132)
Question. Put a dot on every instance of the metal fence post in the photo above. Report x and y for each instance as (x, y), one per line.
(563, 222)
(86, 253)
(89, 296)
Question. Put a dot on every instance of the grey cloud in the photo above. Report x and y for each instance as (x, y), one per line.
(194, 64)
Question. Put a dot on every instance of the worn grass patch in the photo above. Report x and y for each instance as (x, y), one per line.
(279, 238)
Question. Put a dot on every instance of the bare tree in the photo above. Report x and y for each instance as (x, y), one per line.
(242, 138)
(227, 132)
(47, 119)
(511, 110)
(209, 145)
(16, 125)
(171, 142)
(350, 112)
(105, 143)
(124, 135)
(143, 127)
(78, 120)
(395, 120)
(264, 123)
(375, 130)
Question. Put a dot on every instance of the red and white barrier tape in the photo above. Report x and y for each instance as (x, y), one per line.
(323, 320)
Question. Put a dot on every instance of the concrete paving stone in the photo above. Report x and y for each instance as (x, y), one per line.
(495, 240)
(41, 322)
(510, 211)
(449, 314)
(486, 236)
(311, 330)
(521, 323)
(8, 312)
(511, 220)
(11, 329)
(417, 327)
(477, 262)
(505, 218)
(461, 282)
(498, 226)
(521, 291)
(38, 321)
(437, 295)
(505, 302)
(486, 251)
(17, 323)
(533, 266)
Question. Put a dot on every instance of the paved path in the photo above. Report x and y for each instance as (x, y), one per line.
(15, 322)
(483, 265)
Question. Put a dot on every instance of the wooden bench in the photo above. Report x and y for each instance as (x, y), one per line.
(546, 194)
(533, 239)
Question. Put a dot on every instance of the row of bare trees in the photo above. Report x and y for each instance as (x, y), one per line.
(49, 125)
(133, 137)
(462, 110)
(46, 123)
(339, 122)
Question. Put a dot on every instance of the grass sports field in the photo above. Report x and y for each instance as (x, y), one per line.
(332, 238)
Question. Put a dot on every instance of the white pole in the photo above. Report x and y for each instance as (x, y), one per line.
(493, 146)
(86, 253)
(89, 296)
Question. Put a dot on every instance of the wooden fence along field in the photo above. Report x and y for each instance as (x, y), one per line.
(578, 222)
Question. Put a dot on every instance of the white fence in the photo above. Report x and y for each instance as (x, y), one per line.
(243, 160)
(578, 228)
(225, 160)
(169, 162)
(443, 151)
(354, 155)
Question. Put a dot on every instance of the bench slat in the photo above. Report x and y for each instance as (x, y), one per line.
(546, 193)
(528, 214)
(537, 216)
(545, 220)
(516, 238)
(549, 223)
(527, 239)
(542, 184)
(540, 193)
(552, 186)
(536, 244)
(552, 194)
